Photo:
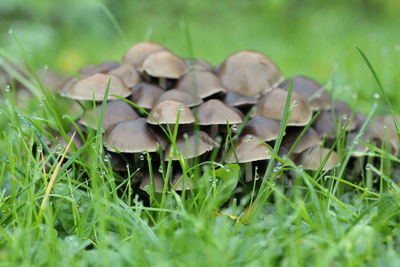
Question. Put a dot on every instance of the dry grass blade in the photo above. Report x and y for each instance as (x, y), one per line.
(55, 173)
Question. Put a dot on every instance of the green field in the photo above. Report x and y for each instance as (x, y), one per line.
(91, 216)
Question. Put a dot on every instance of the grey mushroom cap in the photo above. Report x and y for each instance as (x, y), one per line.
(262, 128)
(201, 83)
(197, 64)
(181, 96)
(312, 158)
(191, 145)
(127, 73)
(233, 99)
(104, 67)
(132, 136)
(215, 112)
(137, 53)
(145, 94)
(115, 112)
(310, 139)
(272, 105)
(157, 179)
(248, 149)
(166, 112)
(94, 88)
(249, 73)
(164, 64)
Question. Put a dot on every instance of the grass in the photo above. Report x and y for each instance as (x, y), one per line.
(348, 216)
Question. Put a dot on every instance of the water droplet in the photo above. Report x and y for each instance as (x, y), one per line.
(295, 104)
(384, 126)
(160, 169)
(7, 88)
(141, 157)
(368, 167)
(143, 153)
(10, 31)
(377, 96)
(234, 128)
(345, 117)
(127, 166)
(64, 116)
(301, 167)
(40, 149)
(106, 159)
(28, 164)
(181, 107)
(227, 169)
(103, 172)
(185, 135)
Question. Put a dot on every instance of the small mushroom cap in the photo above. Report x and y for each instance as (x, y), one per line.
(115, 111)
(181, 96)
(201, 83)
(312, 158)
(166, 112)
(104, 67)
(309, 139)
(180, 183)
(66, 86)
(192, 145)
(383, 129)
(95, 86)
(158, 182)
(249, 73)
(215, 112)
(127, 73)
(164, 64)
(145, 94)
(272, 105)
(343, 110)
(197, 64)
(248, 149)
(137, 53)
(262, 128)
(233, 99)
(132, 136)
(311, 90)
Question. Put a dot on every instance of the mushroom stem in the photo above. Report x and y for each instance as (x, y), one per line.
(214, 130)
(163, 82)
(249, 171)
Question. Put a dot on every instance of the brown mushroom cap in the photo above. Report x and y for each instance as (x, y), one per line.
(312, 158)
(104, 67)
(166, 112)
(192, 145)
(201, 83)
(127, 73)
(197, 64)
(248, 149)
(311, 90)
(181, 96)
(234, 100)
(249, 73)
(95, 86)
(158, 182)
(309, 139)
(115, 111)
(163, 64)
(215, 112)
(137, 53)
(262, 128)
(145, 94)
(132, 136)
(66, 86)
(272, 105)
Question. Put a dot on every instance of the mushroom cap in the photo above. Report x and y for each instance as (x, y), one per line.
(179, 183)
(158, 182)
(233, 99)
(132, 136)
(68, 83)
(137, 53)
(127, 73)
(166, 112)
(248, 149)
(262, 128)
(181, 96)
(312, 158)
(145, 94)
(309, 139)
(310, 89)
(249, 73)
(103, 67)
(163, 64)
(272, 105)
(201, 83)
(95, 86)
(115, 111)
(192, 145)
(197, 64)
(215, 112)
(383, 129)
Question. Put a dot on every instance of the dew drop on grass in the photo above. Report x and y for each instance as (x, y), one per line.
(7, 88)
(185, 135)
(10, 31)
(301, 167)
(141, 157)
(295, 104)
(64, 116)
(345, 117)
(377, 96)
(106, 159)
(234, 128)
(181, 107)
(368, 167)
(227, 169)
(160, 169)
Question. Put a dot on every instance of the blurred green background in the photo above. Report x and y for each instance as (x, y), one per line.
(315, 38)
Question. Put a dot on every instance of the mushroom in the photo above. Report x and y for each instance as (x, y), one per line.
(317, 96)
(309, 139)
(94, 88)
(181, 96)
(233, 99)
(249, 73)
(127, 73)
(137, 53)
(115, 111)
(133, 136)
(177, 182)
(201, 83)
(262, 128)
(312, 158)
(166, 112)
(214, 113)
(191, 145)
(145, 94)
(272, 105)
(197, 64)
(248, 149)
(104, 67)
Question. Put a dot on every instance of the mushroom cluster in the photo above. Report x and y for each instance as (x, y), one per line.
(232, 110)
